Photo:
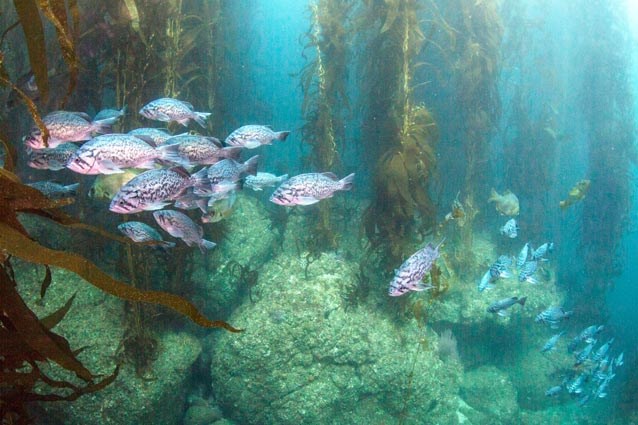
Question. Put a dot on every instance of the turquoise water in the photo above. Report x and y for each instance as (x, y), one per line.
(432, 105)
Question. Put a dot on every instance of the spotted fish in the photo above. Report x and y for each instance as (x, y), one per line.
(179, 225)
(253, 136)
(262, 180)
(65, 126)
(409, 276)
(51, 158)
(53, 190)
(157, 135)
(167, 109)
(143, 233)
(308, 189)
(500, 307)
(154, 189)
(194, 149)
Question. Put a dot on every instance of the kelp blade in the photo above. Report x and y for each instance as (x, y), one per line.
(29, 15)
(23, 247)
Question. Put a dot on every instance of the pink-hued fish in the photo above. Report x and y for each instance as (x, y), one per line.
(409, 276)
(65, 126)
(199, 150)
(167, 109)
(307, 189)
(179, 225)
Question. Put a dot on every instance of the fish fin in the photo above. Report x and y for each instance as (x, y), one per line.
(200, 179)
(531, 280)
(281, 135)
(250, 166)
(106, 166)
(346, 182)
(306, 200)
(170, 153)
(225, 186)
(421, 287)
(147, 165)
(493, 196)
(205, 245)
(100, 127)
(82, 115)
(505, 275)
(503, 313)
(331, 175)
(155, 206)
(72, 189)
(230, 152)
(251, 144)
(521, 301)
(166, 244)
(283, 177)
(201, 117)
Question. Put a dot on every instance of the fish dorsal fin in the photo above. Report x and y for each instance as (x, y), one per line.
(147, 139)
(188, 104)
(181, 171)
(214, 140)
(83, 115)
(330, 175)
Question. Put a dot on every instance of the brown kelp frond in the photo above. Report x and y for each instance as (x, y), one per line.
(25, 340)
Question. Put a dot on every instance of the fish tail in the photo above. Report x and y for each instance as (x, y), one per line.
(201, 117)
(205, 245)
(347, 181)
(493, 195)
(200, 180)
(72, 189)
(281, 135)
(521, 301)
(250, 166)
(104, 126)
(170, 153)
(230, 152)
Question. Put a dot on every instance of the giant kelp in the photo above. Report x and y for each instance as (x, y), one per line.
(323, 81)
(399, 132)
(609, 118)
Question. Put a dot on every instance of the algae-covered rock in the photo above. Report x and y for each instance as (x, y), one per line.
(96, 322)
(491, 392)
(304, 358)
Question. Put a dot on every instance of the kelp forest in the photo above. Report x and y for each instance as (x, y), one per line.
(370, 199)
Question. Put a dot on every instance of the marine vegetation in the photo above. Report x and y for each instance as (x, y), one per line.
(477, 101)
(323, 81)
(405, 159)
(610, 136)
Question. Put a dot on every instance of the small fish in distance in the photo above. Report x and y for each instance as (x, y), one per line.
(167, 109)
(253, 136)
(310, 188)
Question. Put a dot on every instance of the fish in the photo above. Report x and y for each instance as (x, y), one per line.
(586, 335)
(261, 180)
(576, 386)
(602, 350)
(541, 251)
(105, 186)
(619, 360)
(550, 345)
(526, 273)
(498, 270)
(253, 136)
(506, 204)
(111, 153)
(224, 174)
(194, 149)
(510, 229)
(308, 189)
(500, 307)
(600, 391)
(190, 201)
(168, 109)
(110, 116)
(553, 316)
(554, 391)
(154, 189)
(179, 225)
(159, 136)
(409, 276)
(53, 159)
(576, 194)
(65, 126)
(54, 190)
(582, 356)
(143, 233)
(220, 209)
(522, 255)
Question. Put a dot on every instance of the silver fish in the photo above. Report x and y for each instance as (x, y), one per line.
(167, 109)
(110, 116)
(225, 174)
(586, 335)
(526, 274)
(51, 158)
(522, 256)
(541, 251)
(179, 225)
(110, 153)
(510, 229)
(65, 126)
(619, 360)
(553, 316)
(143, 233)
(53, 190)
(498, 270)
(576, 386)
(585, 353)
(199, 150)
(554, 391)
(551, 343)
(500, 307)
(157, 135)
(307, 189)
(408, 277)
(154, 189)
(602, 351)
(262, 180)
(253, 136)
(190, 201)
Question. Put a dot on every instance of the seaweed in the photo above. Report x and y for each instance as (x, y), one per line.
(323, 82)
(246, 277)
(405, 161)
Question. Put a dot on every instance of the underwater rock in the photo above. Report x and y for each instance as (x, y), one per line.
(490, 391)
(96, 321)
(202, 414)
(303, 358)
